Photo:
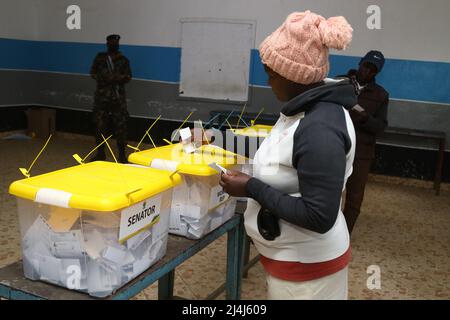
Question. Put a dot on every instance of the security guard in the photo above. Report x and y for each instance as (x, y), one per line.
(112, 71)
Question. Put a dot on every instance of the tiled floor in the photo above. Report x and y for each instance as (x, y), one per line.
(403, 229)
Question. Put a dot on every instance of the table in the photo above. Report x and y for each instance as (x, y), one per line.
(437, 136)
(13, 284)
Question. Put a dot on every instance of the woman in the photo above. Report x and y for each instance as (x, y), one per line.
(293, 214)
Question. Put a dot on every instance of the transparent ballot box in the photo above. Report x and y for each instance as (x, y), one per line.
(93, 227)
(199, 204)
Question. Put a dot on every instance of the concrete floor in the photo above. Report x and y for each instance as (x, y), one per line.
(403, 229)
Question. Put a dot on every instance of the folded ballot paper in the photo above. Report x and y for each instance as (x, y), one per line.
(187, 220)
(103, 264)
(48, 255)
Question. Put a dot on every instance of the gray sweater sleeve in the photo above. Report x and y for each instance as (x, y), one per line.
(319, 155)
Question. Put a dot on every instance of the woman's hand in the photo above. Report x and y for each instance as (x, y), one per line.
(234, 183)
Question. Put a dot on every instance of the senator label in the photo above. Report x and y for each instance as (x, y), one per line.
(218, 196)
(139, 217)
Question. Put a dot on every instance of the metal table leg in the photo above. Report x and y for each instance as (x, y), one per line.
(246, 253)
(165, 286)
(439, 165)
(234, 262)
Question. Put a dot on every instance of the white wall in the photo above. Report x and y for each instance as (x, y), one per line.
(411, 29)
(18, 19)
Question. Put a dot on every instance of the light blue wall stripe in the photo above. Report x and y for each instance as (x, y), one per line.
(404, 79)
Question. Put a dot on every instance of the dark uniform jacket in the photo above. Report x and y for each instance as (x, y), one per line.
(374, 99)
(110, 81)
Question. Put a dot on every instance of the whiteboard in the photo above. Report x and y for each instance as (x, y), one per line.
(215, 59)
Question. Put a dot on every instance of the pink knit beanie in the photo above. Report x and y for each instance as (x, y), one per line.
(298, 49)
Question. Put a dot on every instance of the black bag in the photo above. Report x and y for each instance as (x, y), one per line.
(268, 225)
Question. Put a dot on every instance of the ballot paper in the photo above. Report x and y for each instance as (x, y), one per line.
(218, 167)
(140, 266)
(358, 108)
(32, 259)
(40, 248)
(94, 242)
(47, 254)
(160, 229)
(190, 211)
(103, 277)
(67, 244)
(40, 231)
(176, 225)
(114, 254)
(143, 248)
(60, 244)
(71, 274)
(92, 254)
(188, 146)
(175, 219)
(128, 261)
(197, 193)
(194, 233)
(110, 235)
(185, 134)
(49, 268)
(135, 241)
(179, 195)
(197, 223)
(215, 222)
(62, 219)
(155, 250)
(30, 266)
(197, 227)
(98, 282)
(188, 221)
(109, 266)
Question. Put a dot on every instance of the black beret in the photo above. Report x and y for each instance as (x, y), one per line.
(113, 37)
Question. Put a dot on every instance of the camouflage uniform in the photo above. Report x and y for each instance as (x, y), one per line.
(110, 107)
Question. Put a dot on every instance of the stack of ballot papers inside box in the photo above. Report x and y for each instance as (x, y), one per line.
(89, 259)
(187, 220)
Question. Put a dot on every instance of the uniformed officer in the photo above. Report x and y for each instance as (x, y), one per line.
(112, 71)
(370, 120)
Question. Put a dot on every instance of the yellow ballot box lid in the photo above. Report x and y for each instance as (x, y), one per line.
(96, 186)
(255, 131)
(174, 158)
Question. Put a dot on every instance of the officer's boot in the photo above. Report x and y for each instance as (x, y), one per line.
(122, 155)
